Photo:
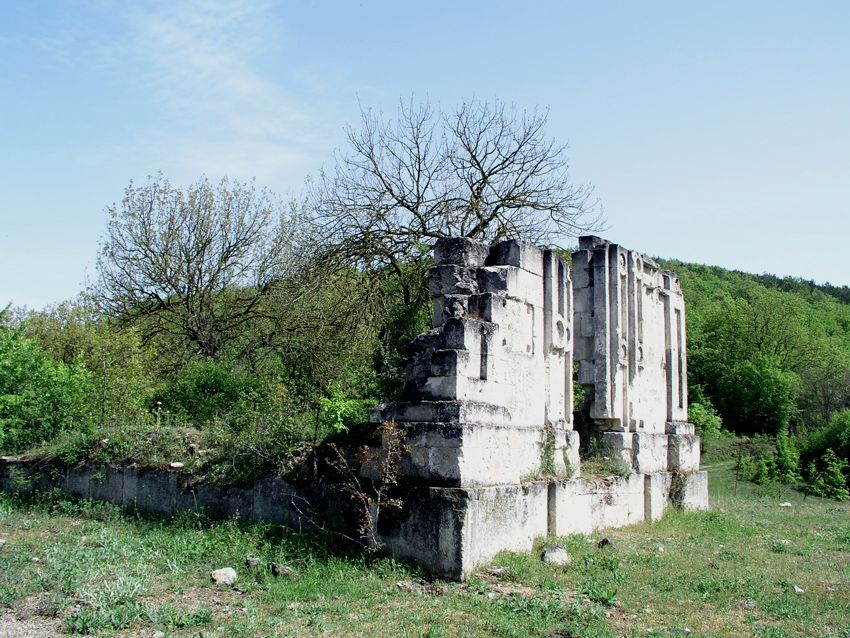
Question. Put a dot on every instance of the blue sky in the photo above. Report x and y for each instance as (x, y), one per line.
(715, 132)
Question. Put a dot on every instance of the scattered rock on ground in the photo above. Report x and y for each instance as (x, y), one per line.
(252, 562)
(785, 504)
(497, 571)
(223, 576)
(556, 555)
(604, 543)
(421, 586)
(749, 604)
(799, 590)
(279, 570)
(194, 448)
(176, 465)
(2, 542)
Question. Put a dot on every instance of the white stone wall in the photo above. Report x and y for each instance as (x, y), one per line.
(630, 344)
(488, 396)
(487, 405)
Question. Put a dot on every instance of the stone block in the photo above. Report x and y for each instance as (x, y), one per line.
(591, 242)
(449, 279)
(683, 453)
(277, 501)
(149, 491)
(691, 490)
(506, 281)
(445, 363)
(459, 412)
(464, 334)
(107, 484)
(224, 502)
(461, 252)
(453, 530)
(649, 452)
(571, 508)
(570, 454)
(618, 501)
(518, 254)
(656, 494)
(618, 445)
(582, 506)
(477, 454)
(77, 481)
(679, 427)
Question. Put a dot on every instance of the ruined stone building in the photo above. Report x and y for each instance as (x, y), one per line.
(487, 408)
(491, 436)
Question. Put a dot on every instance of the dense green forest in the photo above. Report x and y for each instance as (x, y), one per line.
(769, 357)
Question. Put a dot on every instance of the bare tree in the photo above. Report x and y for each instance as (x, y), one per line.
(484, 171)
(198, 264)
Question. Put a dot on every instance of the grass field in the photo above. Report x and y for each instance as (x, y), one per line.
(89, 569)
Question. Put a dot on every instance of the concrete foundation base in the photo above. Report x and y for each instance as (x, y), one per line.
(454, 530)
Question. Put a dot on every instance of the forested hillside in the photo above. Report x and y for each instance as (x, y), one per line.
(772, 357)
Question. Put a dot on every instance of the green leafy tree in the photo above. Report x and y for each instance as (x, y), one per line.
(830, 479)
(787, 458)
(122, 372)
(198, 265)
(39, 397)
(754, 396)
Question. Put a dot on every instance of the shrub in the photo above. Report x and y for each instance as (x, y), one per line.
(787, 459)
(204, 390)
(338, 412)
(764, 470)
(38, 397)
(755, 396)
(828, 477)
(705, 419)
(834, 436)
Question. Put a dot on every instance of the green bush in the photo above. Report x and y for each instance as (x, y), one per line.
(205, 390)
(120, 367)
(38, 397)
(787, 459)
(338, 412)
(828, 477)
(764, 470)
(755, 397)
(705, 419)
(834, 436)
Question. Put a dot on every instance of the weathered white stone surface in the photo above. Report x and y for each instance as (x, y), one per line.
(488, 391)
(630, 317)
(488, 400)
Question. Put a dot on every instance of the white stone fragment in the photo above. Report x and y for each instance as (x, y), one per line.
(223, 576)
(556, 555)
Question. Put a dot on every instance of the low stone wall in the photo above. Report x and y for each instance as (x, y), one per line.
(163, 492)
(450, 530)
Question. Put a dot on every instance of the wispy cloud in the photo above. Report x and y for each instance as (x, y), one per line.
(208, 63)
